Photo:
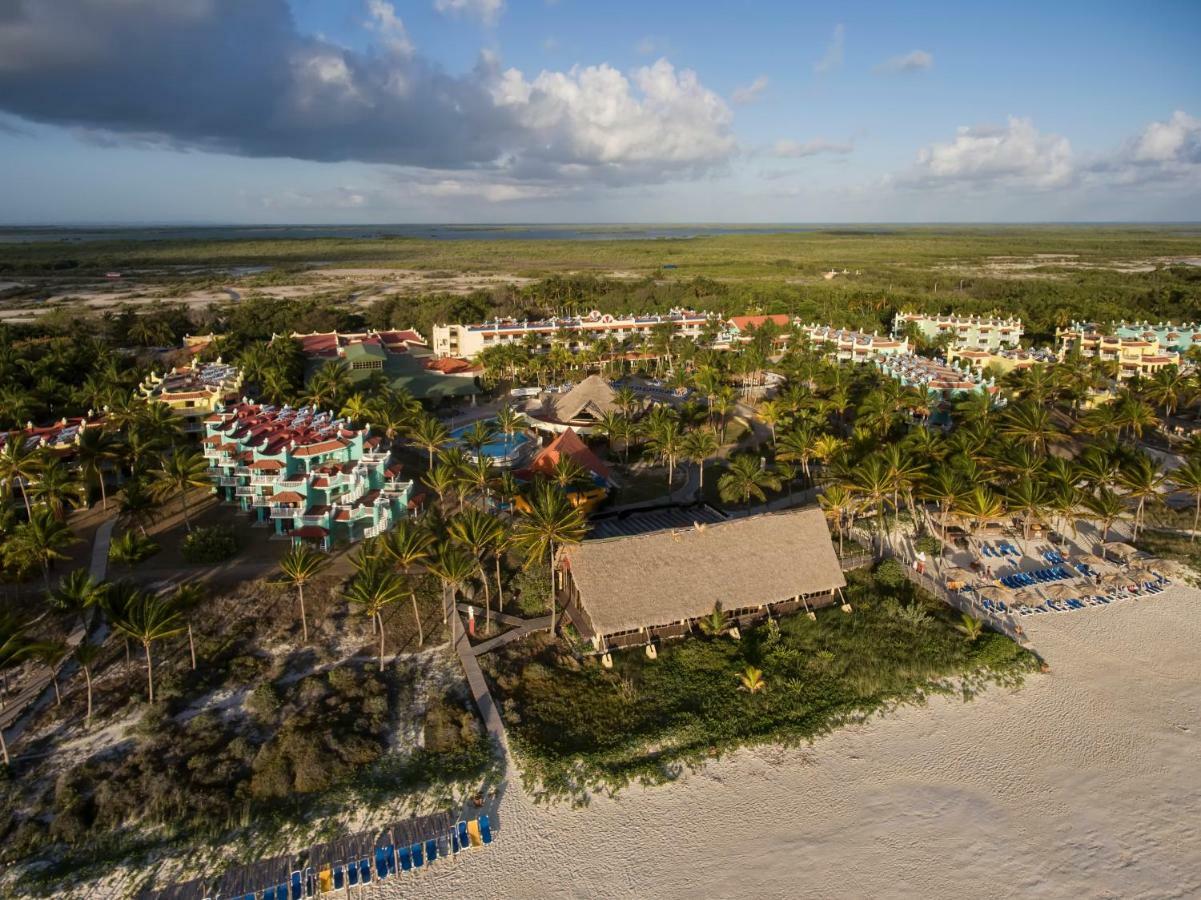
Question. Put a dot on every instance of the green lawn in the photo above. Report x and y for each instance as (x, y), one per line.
(580, 728)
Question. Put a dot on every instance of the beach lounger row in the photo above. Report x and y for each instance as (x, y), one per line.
(1042, 576)
(1001, 551)
(1146, 589)
(1054, 557)
(383, 863)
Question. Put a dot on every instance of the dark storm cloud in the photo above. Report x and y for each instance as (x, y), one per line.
(236, 76)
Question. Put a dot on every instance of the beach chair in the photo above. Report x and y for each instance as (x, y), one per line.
(297, 885)
(268, 893)
(452, 840)
(485, 829)
(381, 863)
(310, 882)
(365, 870)
(339, 876)
(352, 874)
(464, 842)
(390, 859)
(418, 855)
(325, 880)
(473, 833)
(406, 858)
(431, 849)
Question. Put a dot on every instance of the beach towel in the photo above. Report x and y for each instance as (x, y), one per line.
(473, 832)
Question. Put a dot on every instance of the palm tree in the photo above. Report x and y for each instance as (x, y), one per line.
(430, 435)
(509, 420)
(58, 489)
(479, 435)
(1030, 424)
(188, 596)
(771, 413)
(147, 619)
(1106, 506)
(751, 680)
(87, 655)
(698, 446)
(180, 471)
(796, 445)
(77, 591)
(550, 520)
(745, 477)
(714, 623)
(19, 466)
(300, 566)
(138, 505)
(94, 449)
(838, 504)
(1142, 482)
(373, 590)
(971, 628)
(15, 647)
(409, 544)
(980, 505)
(51, 654)
(38, 543)
(454, 568)
(872, 482)
(475, 532)
(440, 480)
(665, 437)
(1187, 478)
(1028, 498)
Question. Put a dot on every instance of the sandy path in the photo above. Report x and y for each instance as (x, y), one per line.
(1085, 783)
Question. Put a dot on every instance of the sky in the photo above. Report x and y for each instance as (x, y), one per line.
(459, 111)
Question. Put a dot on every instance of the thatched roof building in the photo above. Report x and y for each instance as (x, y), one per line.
(580, 408)
(629, 590)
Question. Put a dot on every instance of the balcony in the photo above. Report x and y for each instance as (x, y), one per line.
(213, 453)
(321, 519)
(259, 479)
(244, 490)
(227, 481)
(243, 471)
(261, 501)
(285, 512)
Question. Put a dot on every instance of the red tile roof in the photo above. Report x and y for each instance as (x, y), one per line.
(322, 447)
(742, 323)
(288, 497)
(568, 444)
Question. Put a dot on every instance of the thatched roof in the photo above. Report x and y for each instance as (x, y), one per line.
(669, 576)
(569, 444)
(1117, 548)
(592, 397)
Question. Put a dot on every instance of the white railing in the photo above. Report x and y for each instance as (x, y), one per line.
(227, 481)
(212, 453)
(261, 501)
(244, 490)
(285, 512)
(314, 519)
(260, 480)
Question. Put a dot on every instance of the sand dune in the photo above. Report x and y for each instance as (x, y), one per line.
(1084, 783)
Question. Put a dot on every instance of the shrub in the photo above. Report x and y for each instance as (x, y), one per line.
(890, 574)
(212, 544)
(532, 585)
(130, 548)
(928, 544)
(264, 700)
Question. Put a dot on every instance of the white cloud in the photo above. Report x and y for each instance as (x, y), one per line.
(913, 61)
(751, 92)
(656, 122)
(1017, 155)
(1177, 140)
(391, 28)
(789, 149)
(833, 58)
(486, 11)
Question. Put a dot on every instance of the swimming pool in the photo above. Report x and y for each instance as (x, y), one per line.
(502, 450)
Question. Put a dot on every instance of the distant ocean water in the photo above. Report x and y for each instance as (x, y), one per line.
(19, 235)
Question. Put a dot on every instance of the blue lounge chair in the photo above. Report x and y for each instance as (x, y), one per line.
(390, 859)
(431, 849)
(281, 891)
(381, 863)
(339, 876)
(418, 855)
(406, 858)
(486, 829)
(365, 870)
(453, 842)
(310, 882)
(464, 841)
(297, 886)
(352, 873)
(268, 893)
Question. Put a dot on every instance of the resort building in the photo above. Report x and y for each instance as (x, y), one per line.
(308, 475)
(854, 346)
(1004, 360)
(741, 329)
(632, 591)
(193, 392)
(1138, 350)
(574, 332)
(401, 357)
(976, 332)
(579, 409)
(939, 380)
(58, 438)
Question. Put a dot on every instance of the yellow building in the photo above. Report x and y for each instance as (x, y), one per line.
(1004, 361)
(1135, 356)
(194, 391)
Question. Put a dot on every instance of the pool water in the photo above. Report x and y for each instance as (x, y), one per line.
(500, 448)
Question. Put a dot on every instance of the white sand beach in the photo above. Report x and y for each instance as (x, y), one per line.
(1084, 783)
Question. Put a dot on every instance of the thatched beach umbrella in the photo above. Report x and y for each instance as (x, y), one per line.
(1027, 597)
(1090, 560)
(1060, 592)
(1116, 580)
(993, 593)
(955, 573)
